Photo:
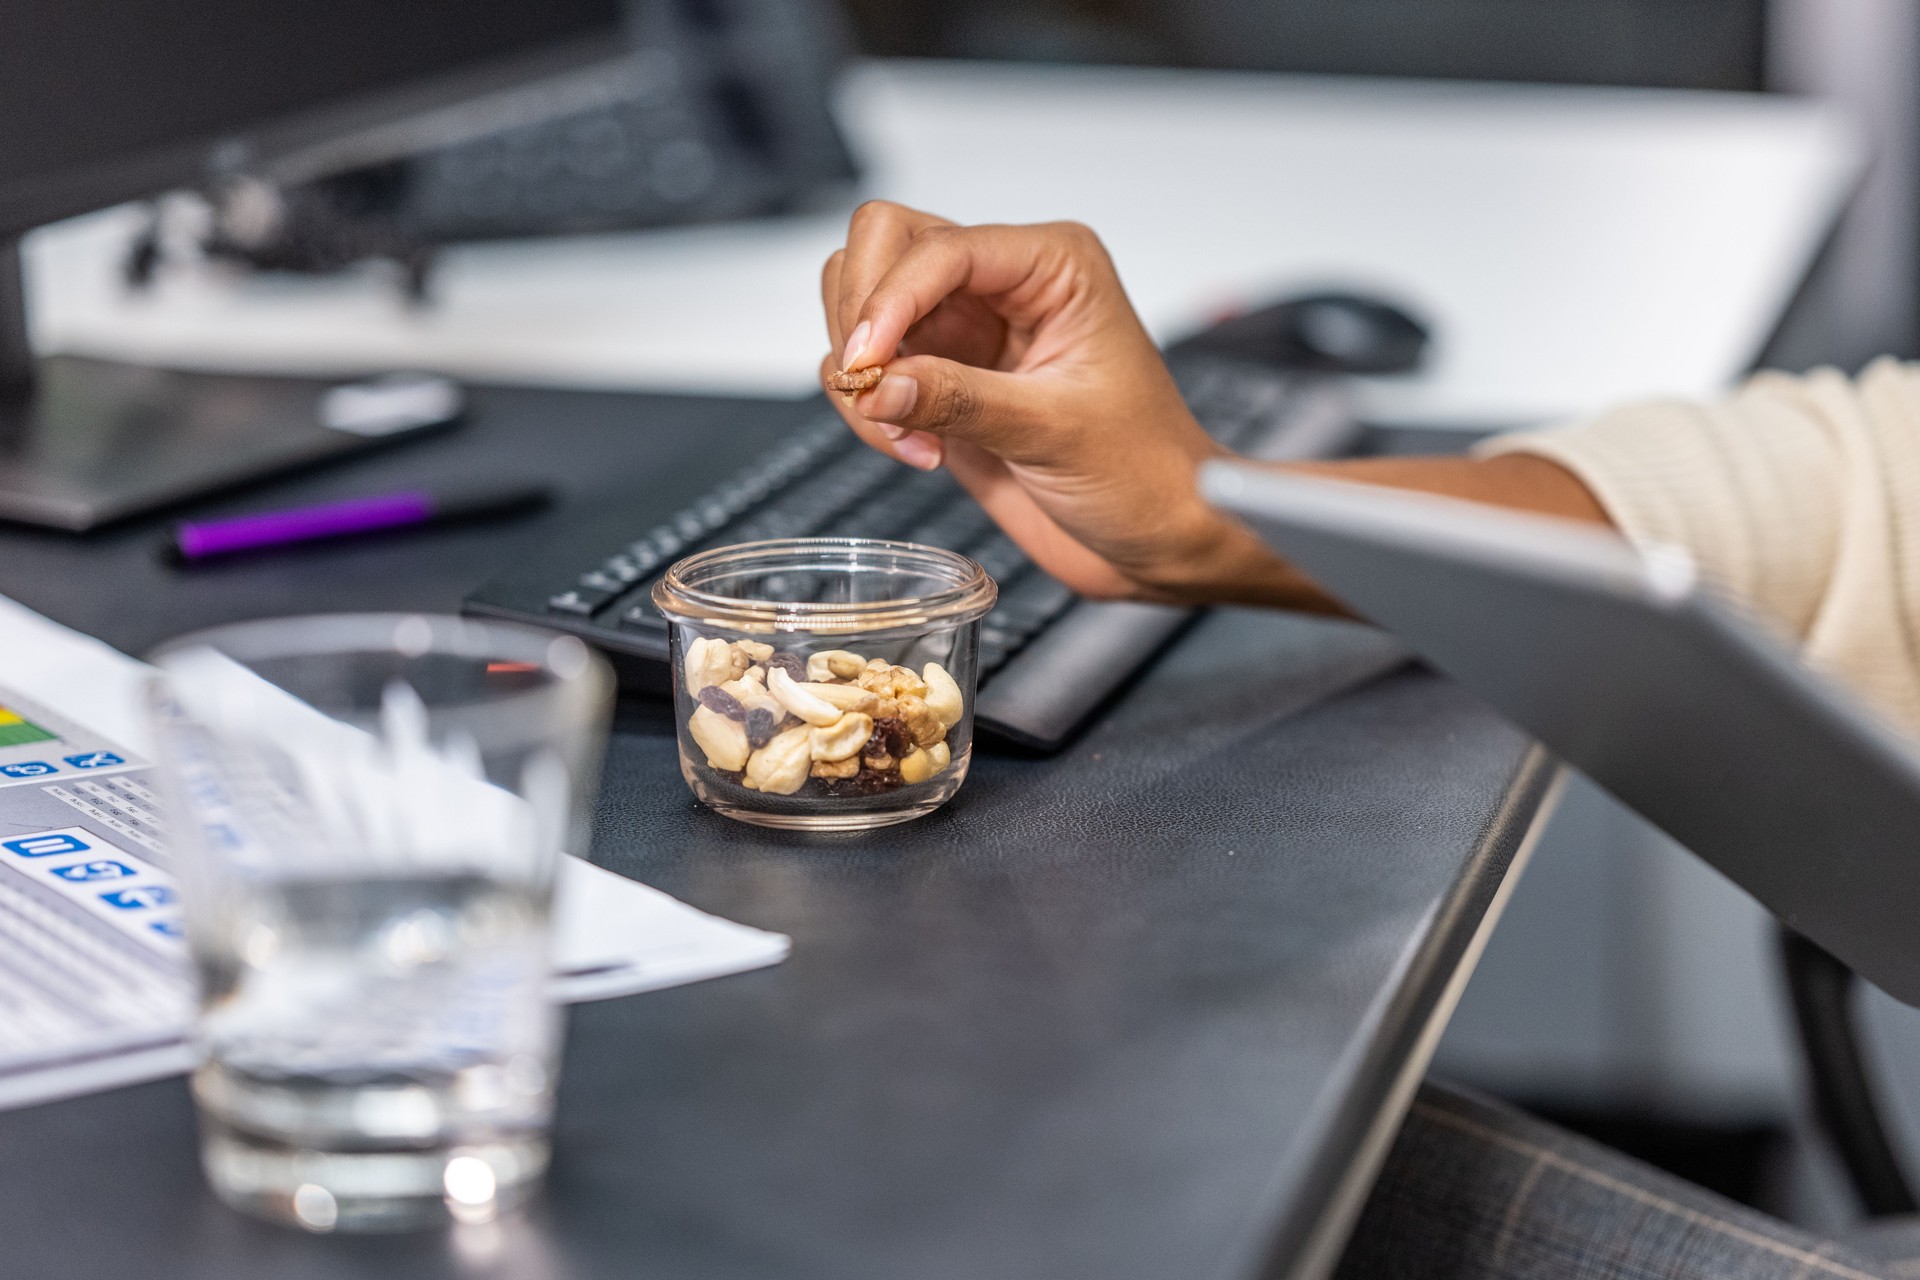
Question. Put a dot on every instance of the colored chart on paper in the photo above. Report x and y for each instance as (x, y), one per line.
(16, 730)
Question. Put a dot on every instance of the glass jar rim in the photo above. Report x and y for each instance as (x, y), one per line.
(968, 599)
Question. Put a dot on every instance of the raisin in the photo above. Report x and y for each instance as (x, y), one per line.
(890, 737)
(717, 699)
(761, 726)
(868, 782)
(791, 663)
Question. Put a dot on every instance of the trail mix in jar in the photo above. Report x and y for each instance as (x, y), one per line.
(777, 722)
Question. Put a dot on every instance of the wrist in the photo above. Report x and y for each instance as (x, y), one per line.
(1201, 555)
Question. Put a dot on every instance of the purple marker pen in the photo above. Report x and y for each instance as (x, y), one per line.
(199, 541)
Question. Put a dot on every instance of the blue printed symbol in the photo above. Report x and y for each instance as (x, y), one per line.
(28, 769)
(45, 846)
(140, 898)
(168, 928)
(86, 872)
(94, 760)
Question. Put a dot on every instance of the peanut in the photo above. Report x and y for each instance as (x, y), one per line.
(835, 663)
(922, 763)
(917, 767)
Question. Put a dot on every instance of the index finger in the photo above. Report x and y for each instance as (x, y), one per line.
(877, 234)
(1021, 269)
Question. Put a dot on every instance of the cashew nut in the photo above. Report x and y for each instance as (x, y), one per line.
(834, 663)
(795, 698)
(780, 768)
(722, 738)
(835, 768)
(756, 650)
(847, 697)
(708, 661)
(943, 694)
(843, 738)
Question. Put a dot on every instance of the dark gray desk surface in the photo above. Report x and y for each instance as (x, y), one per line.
(1124, 1012)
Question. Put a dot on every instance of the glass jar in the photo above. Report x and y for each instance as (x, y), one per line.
(825, 684)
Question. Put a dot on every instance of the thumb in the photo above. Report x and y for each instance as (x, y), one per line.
(928, 393)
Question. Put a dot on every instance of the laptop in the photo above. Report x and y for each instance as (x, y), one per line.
(1625, 664)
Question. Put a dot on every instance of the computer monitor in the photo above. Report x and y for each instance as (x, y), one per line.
(109, 100)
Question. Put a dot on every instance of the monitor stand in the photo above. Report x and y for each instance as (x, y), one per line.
(86, 442)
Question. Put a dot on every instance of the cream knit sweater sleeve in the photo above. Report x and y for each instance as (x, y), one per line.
(1799, 499)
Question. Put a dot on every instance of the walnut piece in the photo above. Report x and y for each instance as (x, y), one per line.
(854, 380)
(835, 768)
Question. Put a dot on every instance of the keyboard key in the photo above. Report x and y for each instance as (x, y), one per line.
(623, 569)
(896, 507)
(738, 496)
(596, 580)
(663, 542)
(958, 526)
(643, 617)
(1001, 557)
(581, 602)
(1033, 600)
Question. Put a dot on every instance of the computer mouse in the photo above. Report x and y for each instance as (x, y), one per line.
(1328, 332)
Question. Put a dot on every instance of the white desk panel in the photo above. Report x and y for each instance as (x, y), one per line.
(1573, 247)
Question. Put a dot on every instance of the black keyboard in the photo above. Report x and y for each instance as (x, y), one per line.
(1047, 657)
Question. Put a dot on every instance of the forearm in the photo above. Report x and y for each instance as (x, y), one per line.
(1247, 573)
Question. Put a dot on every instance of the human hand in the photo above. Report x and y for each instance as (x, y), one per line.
(1012, 354)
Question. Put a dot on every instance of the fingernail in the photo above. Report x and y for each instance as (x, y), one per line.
(918, 449)
(892, 400)
(890, 431)
(856, 344)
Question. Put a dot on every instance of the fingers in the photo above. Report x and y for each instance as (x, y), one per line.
(915, 448)
(1006, 413)
(829, 298)
(877, 234)
(1028, 272)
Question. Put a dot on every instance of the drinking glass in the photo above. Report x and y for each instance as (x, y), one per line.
(367, 814)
